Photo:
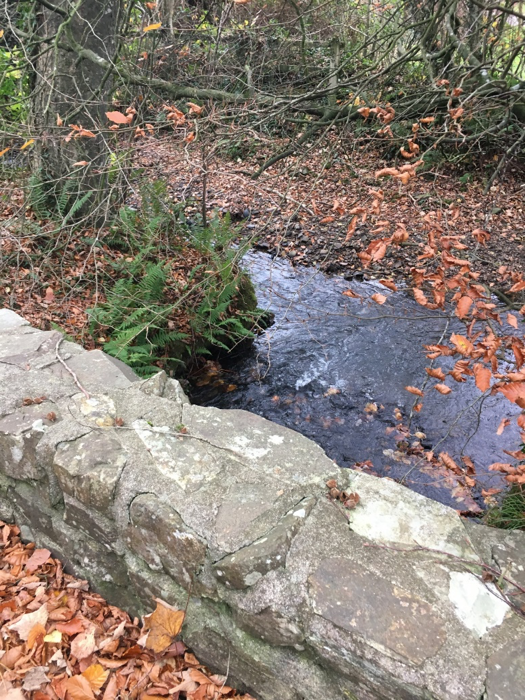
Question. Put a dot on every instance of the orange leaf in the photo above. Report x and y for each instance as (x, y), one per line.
(436, 372)
(117, 117)
(27, 144)
(2, 153)
(518, 287)
(512, 321)
(37, 631)
(414, 390)
(443, 389)
(514, 392)
(327, 220)
(389, 285)
(463, 306)
(190, 137)
(80, 163)
(461, 343)
(427, 120)
(96, 676)
(72, 627)
(351, 229)
(151, 27)
(420, 297)
(483, 376)
(351, 294)
(379, 298)
(195, 109)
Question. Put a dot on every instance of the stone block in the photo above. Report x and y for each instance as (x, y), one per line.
(89, 468)
(158, 534)
(20, 433)
(247, 565)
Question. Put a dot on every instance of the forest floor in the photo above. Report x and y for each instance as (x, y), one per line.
(300, 209)
(62, 641)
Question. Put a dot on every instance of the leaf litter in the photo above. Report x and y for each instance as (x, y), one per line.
(61, 641)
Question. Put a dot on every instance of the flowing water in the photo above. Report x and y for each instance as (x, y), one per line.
(334, 368)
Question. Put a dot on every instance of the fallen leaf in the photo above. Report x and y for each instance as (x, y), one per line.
(83, 645)
(78, 688)
(164, 624)
(96, 676)
(39, 556)
(151, 27)
(25, 624)
(35, 678)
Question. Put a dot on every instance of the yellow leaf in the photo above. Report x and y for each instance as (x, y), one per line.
(151, 27)
(96, 676)
(164, 624)
(2, 153)
(27, 144)
(1, 33)
(53, 637)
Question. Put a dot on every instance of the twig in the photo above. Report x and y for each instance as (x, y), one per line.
(68, 369)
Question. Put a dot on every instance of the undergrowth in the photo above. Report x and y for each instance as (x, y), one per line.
(157, 315)
(510, 513)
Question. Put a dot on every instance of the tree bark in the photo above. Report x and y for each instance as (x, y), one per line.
(73, 90)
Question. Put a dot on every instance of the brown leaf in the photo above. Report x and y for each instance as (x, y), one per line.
(443, 389)
(512, 321)
(78, 688)
(39, 557)
(389, 285)
(164, 624)
(463, 306)
(436, 373)
(414, 390)
(83, 645)
(379, 298)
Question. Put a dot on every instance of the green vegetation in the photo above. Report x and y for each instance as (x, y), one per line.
(153, 314)
(510, 513)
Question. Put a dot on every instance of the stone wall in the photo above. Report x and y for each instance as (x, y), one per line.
(292, 593)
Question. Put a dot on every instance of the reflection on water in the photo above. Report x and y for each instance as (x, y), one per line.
(334, 368)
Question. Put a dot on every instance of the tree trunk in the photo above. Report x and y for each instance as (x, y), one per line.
(71, 89)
